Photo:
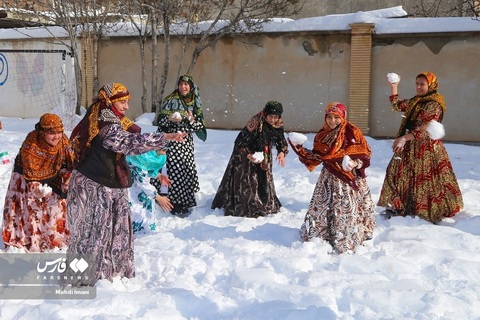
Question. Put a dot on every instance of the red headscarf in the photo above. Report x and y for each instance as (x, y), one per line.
(331, 145)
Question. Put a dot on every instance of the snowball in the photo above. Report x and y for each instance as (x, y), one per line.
(345, 162)
(44, 190)
(297, 138)
(393, 77)
(176, 115)
(436, 130)
(258, 156)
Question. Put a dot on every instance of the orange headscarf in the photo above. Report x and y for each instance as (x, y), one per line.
(415, 104)
(39, 160)
(88, 128)
(331, 145)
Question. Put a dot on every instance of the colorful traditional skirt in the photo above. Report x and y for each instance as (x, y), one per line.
(339, 214)
(100, 225)
(32, 219)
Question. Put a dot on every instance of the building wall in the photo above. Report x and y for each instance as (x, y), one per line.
(452, 57)
(236, 79)
(305, 71)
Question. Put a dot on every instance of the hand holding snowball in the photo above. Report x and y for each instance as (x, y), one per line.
(348, 164)
(189, 116)
(393, 78)
(39, 190)
(175, 117)
(256, 157)
(296, 138)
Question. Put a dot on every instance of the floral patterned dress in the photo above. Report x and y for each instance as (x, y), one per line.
(35, 209)
(341, 210)
(247, 189)
(420, 180)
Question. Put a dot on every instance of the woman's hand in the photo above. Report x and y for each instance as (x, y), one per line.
(66, 175)
(175, 117)
(164, 180)
(252, 159)
(399, 143)
(348, 164)
(295, 147)
(39, 190)
(394, 86)
(281, 159)
(177, 136)
(164, 203)
(189, 116)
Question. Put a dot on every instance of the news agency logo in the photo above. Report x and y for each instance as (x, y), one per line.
(59, 265)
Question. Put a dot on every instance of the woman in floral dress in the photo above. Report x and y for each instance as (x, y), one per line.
(341, 210)
(419, 180)
(247, 188)
(35, 210)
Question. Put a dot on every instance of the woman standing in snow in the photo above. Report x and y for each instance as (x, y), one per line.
(341, 210)
(99, 214)
(35, 210)
(247, 188)
(419, 179)
(182, 112)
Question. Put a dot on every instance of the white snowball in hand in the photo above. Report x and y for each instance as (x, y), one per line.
(297, 138)
(393, 77)
(176, 115)
(44, 190)
(436, 130)
(346, 162)
(258, 156)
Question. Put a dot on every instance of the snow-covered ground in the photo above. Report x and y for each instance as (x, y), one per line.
(211, 267)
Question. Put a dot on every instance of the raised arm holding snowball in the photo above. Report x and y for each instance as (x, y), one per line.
(420, 169)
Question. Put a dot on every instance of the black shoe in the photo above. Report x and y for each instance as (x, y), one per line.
(180, 211)
(389, 212)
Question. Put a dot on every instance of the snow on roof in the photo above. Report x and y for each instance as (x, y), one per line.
(387, 21)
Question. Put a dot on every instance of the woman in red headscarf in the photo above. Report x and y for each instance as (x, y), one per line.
(419, 180)
(99, 214)
(341, 210)
(35, 210)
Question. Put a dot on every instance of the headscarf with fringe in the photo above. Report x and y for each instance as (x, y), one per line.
(331, 145)
(40, 161)
(416, 103)
(88, 128)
